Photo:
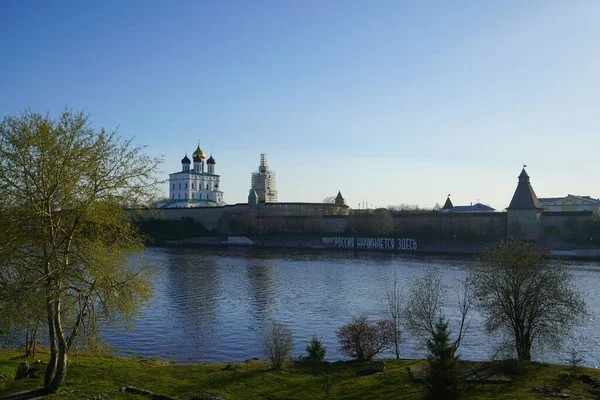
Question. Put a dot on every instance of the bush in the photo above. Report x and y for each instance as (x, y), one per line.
(362, 339)
(277, 343)
(315, 349)
(443, 377)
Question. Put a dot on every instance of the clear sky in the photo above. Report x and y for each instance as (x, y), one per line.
(388, 101)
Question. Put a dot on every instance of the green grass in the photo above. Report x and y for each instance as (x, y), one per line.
(93, 376)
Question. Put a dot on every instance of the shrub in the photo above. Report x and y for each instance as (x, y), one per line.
(362, 339)
(277, 342)
(315, 349)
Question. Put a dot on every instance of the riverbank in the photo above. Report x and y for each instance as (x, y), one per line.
(90, 377)
(396, 245)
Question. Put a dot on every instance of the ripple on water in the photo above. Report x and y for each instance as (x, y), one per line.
(213, 304)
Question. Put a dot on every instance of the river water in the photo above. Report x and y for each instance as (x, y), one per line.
(212, 304)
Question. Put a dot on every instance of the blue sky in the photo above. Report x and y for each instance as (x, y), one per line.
(388, 101)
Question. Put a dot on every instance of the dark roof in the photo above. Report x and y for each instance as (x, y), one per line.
(197, 158)
(192, 172)
(549, 199)
(211, 160)
(185, 160)
(478, 207)
(448, 204)
(339, 196)
(523, 175)
(524, 197)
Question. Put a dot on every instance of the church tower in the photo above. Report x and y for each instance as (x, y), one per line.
(210, 164)
(185, 164)
(199, 157)
(263, 182)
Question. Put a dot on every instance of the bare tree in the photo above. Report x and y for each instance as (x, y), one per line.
(394, 312)
(382, 222)
(363, 340)
(404, 207)
(427, 297)
(277, 342)
(526, 296)
(331, 208)
(372, 222)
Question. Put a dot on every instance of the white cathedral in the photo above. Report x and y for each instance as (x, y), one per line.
(197, 187)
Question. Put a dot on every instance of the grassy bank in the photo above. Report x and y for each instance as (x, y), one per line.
(92, 376)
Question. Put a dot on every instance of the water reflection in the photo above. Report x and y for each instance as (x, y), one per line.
(262, 285)
(212, 304)
(194, 285)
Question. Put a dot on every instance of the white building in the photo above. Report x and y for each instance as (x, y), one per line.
(197, 186)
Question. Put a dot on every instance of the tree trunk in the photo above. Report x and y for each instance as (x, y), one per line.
(32, 346)
(523, 351)
(61, 368)
(52, 363)
(61, 365)
(27, 352)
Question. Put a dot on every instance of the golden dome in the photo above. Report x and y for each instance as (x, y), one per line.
(199, 153)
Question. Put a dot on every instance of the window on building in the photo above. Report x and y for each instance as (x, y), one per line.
(192, 185)
(173, 186)
(186, 185)
(180, 186)
(179, 196)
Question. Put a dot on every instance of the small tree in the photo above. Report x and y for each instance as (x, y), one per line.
(363, 340)
(443, 377)
(526, 296)
(277, 342)
(315, 349)
(394, 312)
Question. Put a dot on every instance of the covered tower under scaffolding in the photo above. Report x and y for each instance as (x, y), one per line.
(263, 182)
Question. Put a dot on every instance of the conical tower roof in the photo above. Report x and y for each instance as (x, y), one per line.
(252, 196)
(339, 199)
(524, 197)
(448, 204)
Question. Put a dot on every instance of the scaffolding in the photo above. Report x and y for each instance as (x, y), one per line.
(263, 182)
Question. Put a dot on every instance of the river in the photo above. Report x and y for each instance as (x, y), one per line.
(212, 304)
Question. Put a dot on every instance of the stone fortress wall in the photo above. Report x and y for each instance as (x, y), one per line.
(307, 219)
(525, 217)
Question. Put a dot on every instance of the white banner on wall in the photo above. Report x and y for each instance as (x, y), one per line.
(405, 244)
